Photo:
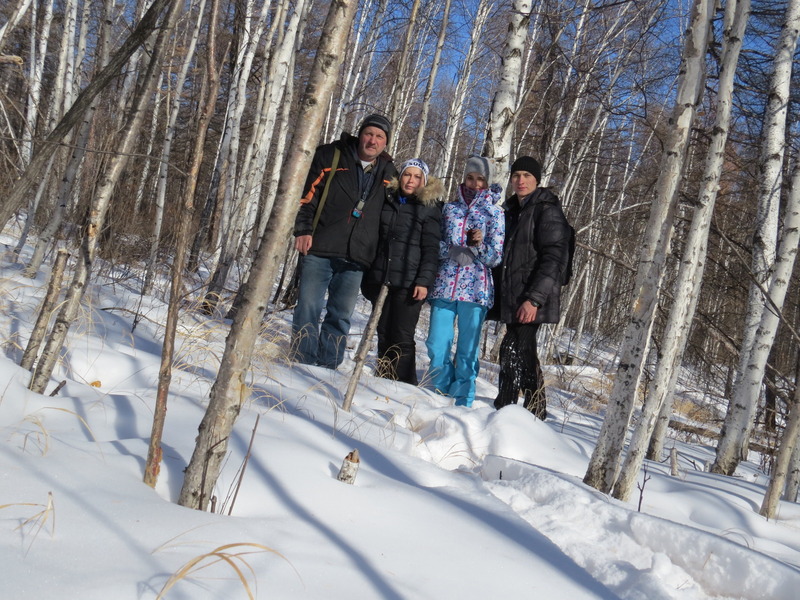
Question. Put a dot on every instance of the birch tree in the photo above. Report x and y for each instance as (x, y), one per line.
(208, 99)
(687, 286)
(758, 334)
(82, 103)
(426, 98)
(602, 471)
(166, 148)
(502, 115)
(65, 187)
(229, 390)
(458, 102)
(99, 207)
(784, 266)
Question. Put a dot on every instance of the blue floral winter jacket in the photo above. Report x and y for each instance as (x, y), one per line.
(471, 283)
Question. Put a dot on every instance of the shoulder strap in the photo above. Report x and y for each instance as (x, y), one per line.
(336, 154)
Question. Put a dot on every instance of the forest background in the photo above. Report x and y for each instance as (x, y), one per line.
(137, 132)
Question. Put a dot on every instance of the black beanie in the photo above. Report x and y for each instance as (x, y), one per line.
(526, 163)
(379, 121)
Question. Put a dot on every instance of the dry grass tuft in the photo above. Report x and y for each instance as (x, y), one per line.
(222, 554)
(36, 522)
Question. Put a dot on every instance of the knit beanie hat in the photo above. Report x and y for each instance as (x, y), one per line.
(376, 120)
(420, 164)
(526, 163)
(481, 165)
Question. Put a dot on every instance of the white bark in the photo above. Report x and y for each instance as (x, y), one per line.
(426, 98)
(16, 17)
(602, 471)
(687, 285)
(502, 116)
(99, 208)
(458, 102)
(166, 149)
(67, 182)
(759, 323)
(783, 461)
(229, 390)
(36, 66)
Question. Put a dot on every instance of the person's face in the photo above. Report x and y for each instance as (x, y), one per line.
(411, 180)
(523, 183)
(371, 143)
(475, 181)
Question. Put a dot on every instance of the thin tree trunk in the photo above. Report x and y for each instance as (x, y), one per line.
(166, 151)
(82, 103)
(229, 390)
(738, 425)
(687, 286)
(210, 89)
(363, 347)
(783, 461)
(67, 182)
(602, 471)
(48, 306)
(400, 75)
(426, 99)
(503, 113)
(99, 208)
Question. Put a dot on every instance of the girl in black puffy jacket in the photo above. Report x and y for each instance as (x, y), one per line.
(407, 261)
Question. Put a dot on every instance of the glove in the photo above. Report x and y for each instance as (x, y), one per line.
(462, 255)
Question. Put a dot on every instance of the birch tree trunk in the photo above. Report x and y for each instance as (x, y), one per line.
(738, 426)
(166, 150)
(783, 461)
(687, 286)
(82, 103)
(502, 116)
(400, 76)
(16, 17)
(426, 99)
(65, 187)
(229, 390)
(210, 89)
(458, 103)
(602, 471)
(233, 211)
(99, 208)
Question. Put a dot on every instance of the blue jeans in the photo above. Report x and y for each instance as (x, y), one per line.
(455, 376)
(341, 279)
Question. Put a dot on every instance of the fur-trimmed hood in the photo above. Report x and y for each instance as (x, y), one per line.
(428, 195)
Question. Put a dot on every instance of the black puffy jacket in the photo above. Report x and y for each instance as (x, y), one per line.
(535, 256)
(408, 250)
(339, 234)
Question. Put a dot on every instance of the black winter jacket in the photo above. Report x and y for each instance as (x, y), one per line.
(408, 251)
(535, 256)
(339, 234)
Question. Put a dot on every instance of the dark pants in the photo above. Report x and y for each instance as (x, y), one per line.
(520, 370)
(396, 329)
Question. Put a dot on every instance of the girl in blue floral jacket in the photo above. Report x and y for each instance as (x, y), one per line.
(473, 229)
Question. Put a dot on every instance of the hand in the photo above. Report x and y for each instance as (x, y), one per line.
(526, 312)
(302, 244)
(420, 292)
(474, 237)
(462, 255)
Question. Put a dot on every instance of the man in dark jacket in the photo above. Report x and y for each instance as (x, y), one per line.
(338, 239)
(535, 259)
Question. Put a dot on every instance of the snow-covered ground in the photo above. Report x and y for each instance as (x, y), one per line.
(448, 502)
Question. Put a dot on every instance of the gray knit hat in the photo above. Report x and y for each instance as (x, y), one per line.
(481, 165)
(379, 121)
